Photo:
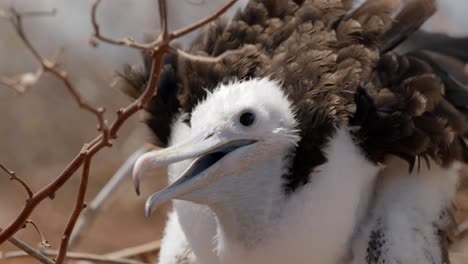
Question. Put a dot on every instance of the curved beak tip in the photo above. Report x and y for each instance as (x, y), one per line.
(148, 209)
(137, 188)
(137, 176)
(148, 212)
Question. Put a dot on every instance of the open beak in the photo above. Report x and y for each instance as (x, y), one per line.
(205, 150)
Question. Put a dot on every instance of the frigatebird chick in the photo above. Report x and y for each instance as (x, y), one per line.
(310, 141)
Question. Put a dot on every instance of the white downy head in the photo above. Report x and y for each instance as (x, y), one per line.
(237, 128)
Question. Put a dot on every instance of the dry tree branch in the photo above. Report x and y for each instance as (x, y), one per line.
(128, 41)
(28, 250)
(79, 206)
(22, 82)
(13, 177)
(87, 218)
(163, 18)
(162, 40)
(207, 59)
(120, 257)
(158, 49)
(52, 12)
(70, 256)
(190, 28)
(50, 66)
(16, 19)
(46, 192)
(44, 241)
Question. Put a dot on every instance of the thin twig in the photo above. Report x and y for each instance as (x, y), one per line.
(182, 32)
(27, 250)
(51, 68)
(44, 241)
(207, 59)
(70, 256)
(17, 21)
(151, 247)
(88, 216)
(163, 18)
(128, 41)
(79, 206)
(46, 192)
(50, 13)
(13, 177)
(124, 113)
(22, 82)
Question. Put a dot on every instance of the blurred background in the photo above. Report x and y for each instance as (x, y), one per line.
(43, 129)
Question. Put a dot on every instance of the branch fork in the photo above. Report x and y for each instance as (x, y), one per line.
(107, 131)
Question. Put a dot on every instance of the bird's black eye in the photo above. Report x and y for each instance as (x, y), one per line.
(247, 119)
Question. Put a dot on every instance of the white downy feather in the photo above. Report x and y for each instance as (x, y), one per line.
(401, 225)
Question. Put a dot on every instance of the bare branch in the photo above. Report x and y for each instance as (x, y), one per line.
(70, 256)
(160, 50)
(124, 113)
(17, 21)
(51, 68)
(44, 242)
(13, 177)
(27, 251)
(79, 206)
(22, 82)
(88, 216)
(207, 59)
(182, 32)
(128, 41)
(26, 14)
(46, 192)
(163, 18)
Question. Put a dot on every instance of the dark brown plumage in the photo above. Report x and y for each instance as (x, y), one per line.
(337, 69)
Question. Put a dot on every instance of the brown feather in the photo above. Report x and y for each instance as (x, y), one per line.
(336, 70)
(409, 19)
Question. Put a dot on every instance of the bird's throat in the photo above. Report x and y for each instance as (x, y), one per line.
(247, 216)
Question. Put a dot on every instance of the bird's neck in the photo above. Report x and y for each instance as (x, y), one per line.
(245, 216)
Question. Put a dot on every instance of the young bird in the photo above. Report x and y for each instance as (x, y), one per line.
(310, 140)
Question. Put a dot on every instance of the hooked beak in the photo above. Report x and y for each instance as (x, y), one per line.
(206, 150)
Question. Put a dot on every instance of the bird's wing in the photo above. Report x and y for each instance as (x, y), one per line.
(415, 107)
